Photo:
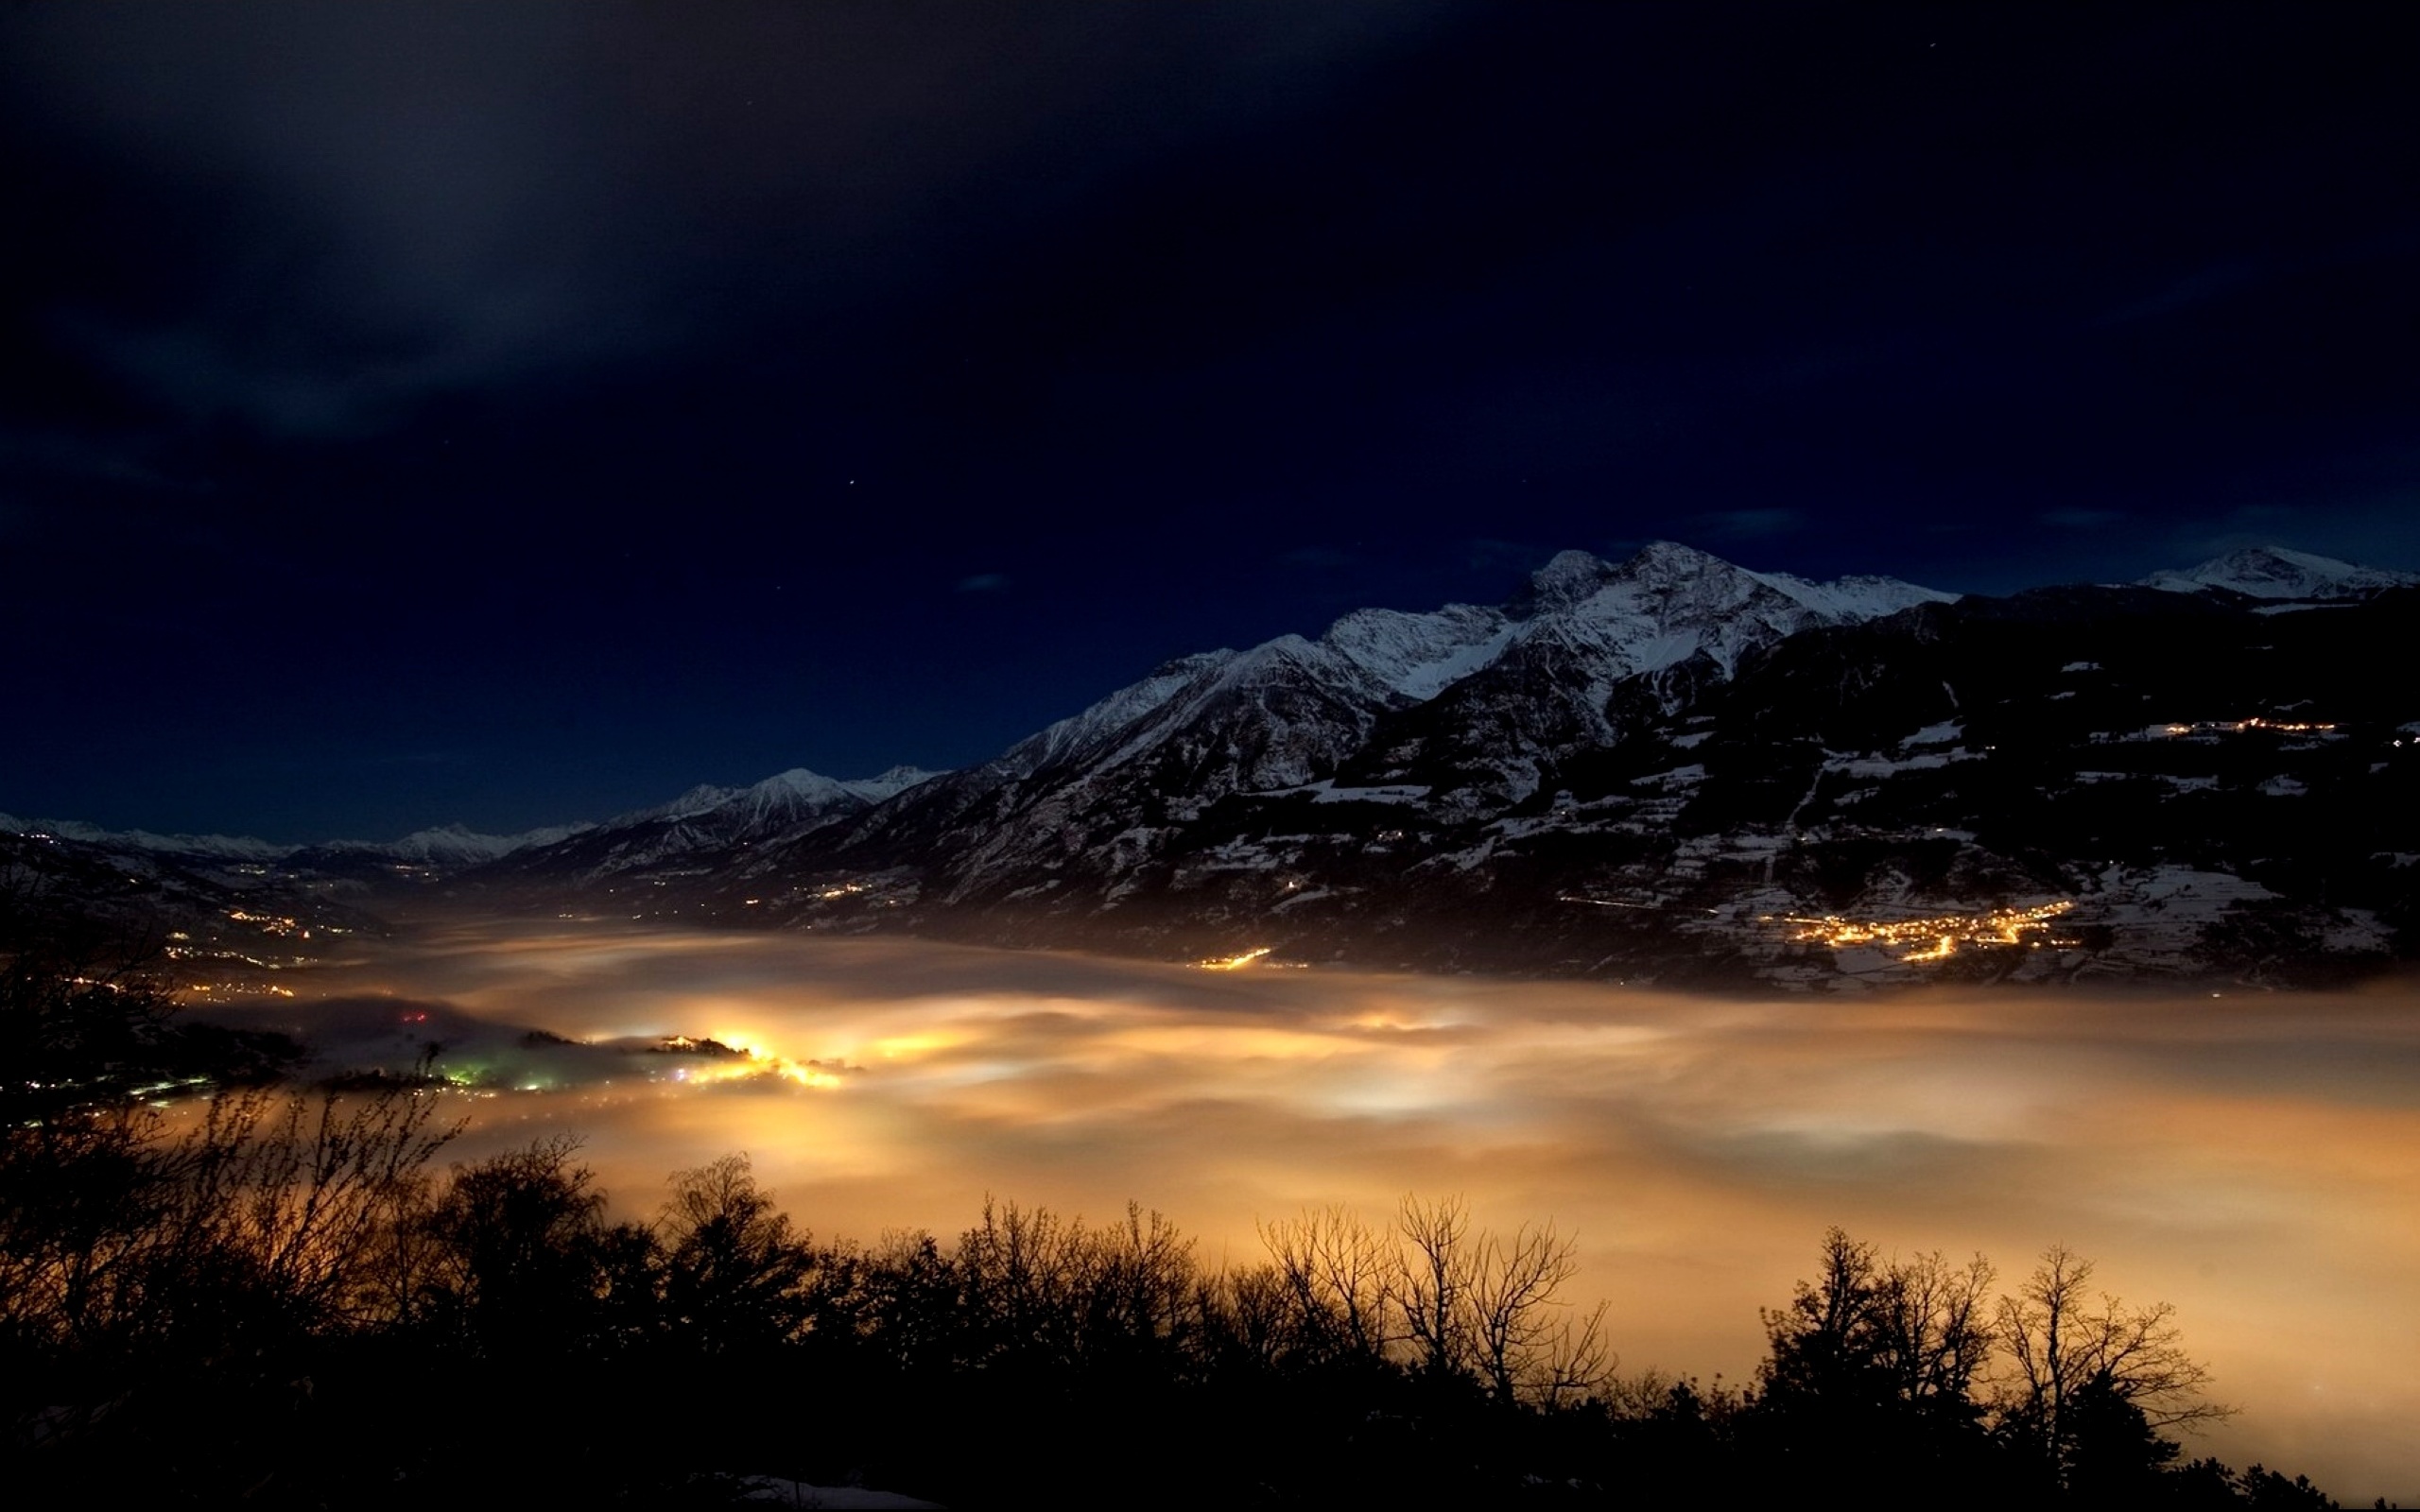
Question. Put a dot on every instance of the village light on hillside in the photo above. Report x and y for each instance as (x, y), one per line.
(1936, 938)
(2237, 727)
(1235, 962)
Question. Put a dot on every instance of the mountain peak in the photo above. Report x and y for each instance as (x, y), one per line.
(1672, 553)
(888, 783)
(457, 843)
(2275, 572)
(1567, 578)
(797, 790)
(234, 847)
(797, 779)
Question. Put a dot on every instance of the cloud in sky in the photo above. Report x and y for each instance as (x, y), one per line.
(381, 203)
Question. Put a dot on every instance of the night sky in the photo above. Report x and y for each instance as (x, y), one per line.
(516, 414)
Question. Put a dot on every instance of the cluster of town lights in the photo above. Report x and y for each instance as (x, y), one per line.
(748, 1061)
(2285, 727)
(1932, 939)
(1233, 963)
(269, 923)
(240, 989)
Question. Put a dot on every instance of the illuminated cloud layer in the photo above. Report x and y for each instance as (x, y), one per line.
(2250, 1159)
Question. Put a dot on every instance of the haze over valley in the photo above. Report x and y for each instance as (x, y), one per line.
(2247, 1156)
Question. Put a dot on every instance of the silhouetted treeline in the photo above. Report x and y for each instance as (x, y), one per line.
(277, 1299)
(279, 1305)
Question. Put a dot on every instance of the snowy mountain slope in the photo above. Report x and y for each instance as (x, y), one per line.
(220, 846)
(1198, 728)
(1674, 768)
(1267, 717)
(1466, 699)
(1673, 616)
(983, 795)
(1669, 767)
(2276, 572)
(1083, 737)
(187, 905)
(1418, 656)
(1291, 711)
(707, 826)
(778, 800)
(1671, 602)
(448, 845)
(887, 783)
(1091, 788)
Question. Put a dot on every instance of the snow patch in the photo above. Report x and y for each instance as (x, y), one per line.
(1420, 654)
(890, 783)
(1326, 791)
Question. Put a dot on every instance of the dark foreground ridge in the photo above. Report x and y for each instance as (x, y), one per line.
(282, 1310)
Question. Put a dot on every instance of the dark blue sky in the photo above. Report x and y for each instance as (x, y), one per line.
(512, 414)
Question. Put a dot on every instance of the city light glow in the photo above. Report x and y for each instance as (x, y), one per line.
(1233, 963)
(1934, 938)
(2237, 727)
(2246, 1158)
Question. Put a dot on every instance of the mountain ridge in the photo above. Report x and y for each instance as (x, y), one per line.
(1669, 768)
(2277, 573)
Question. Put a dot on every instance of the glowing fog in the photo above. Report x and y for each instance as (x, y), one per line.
(2253, 1160)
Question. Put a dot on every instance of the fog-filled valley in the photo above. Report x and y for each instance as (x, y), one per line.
(2246, 1156)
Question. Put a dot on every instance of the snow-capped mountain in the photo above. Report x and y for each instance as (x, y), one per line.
(444, 845)
(234, 898)
(447, 845)
(783, 798)
(1674, 767)
(1669, 766)
(1418, 656)
(651, 845)
(2274, 572)
(1669, 618)
(221, 847)
(1089, 803)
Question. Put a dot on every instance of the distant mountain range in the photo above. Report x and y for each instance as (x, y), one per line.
(1670, 768)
